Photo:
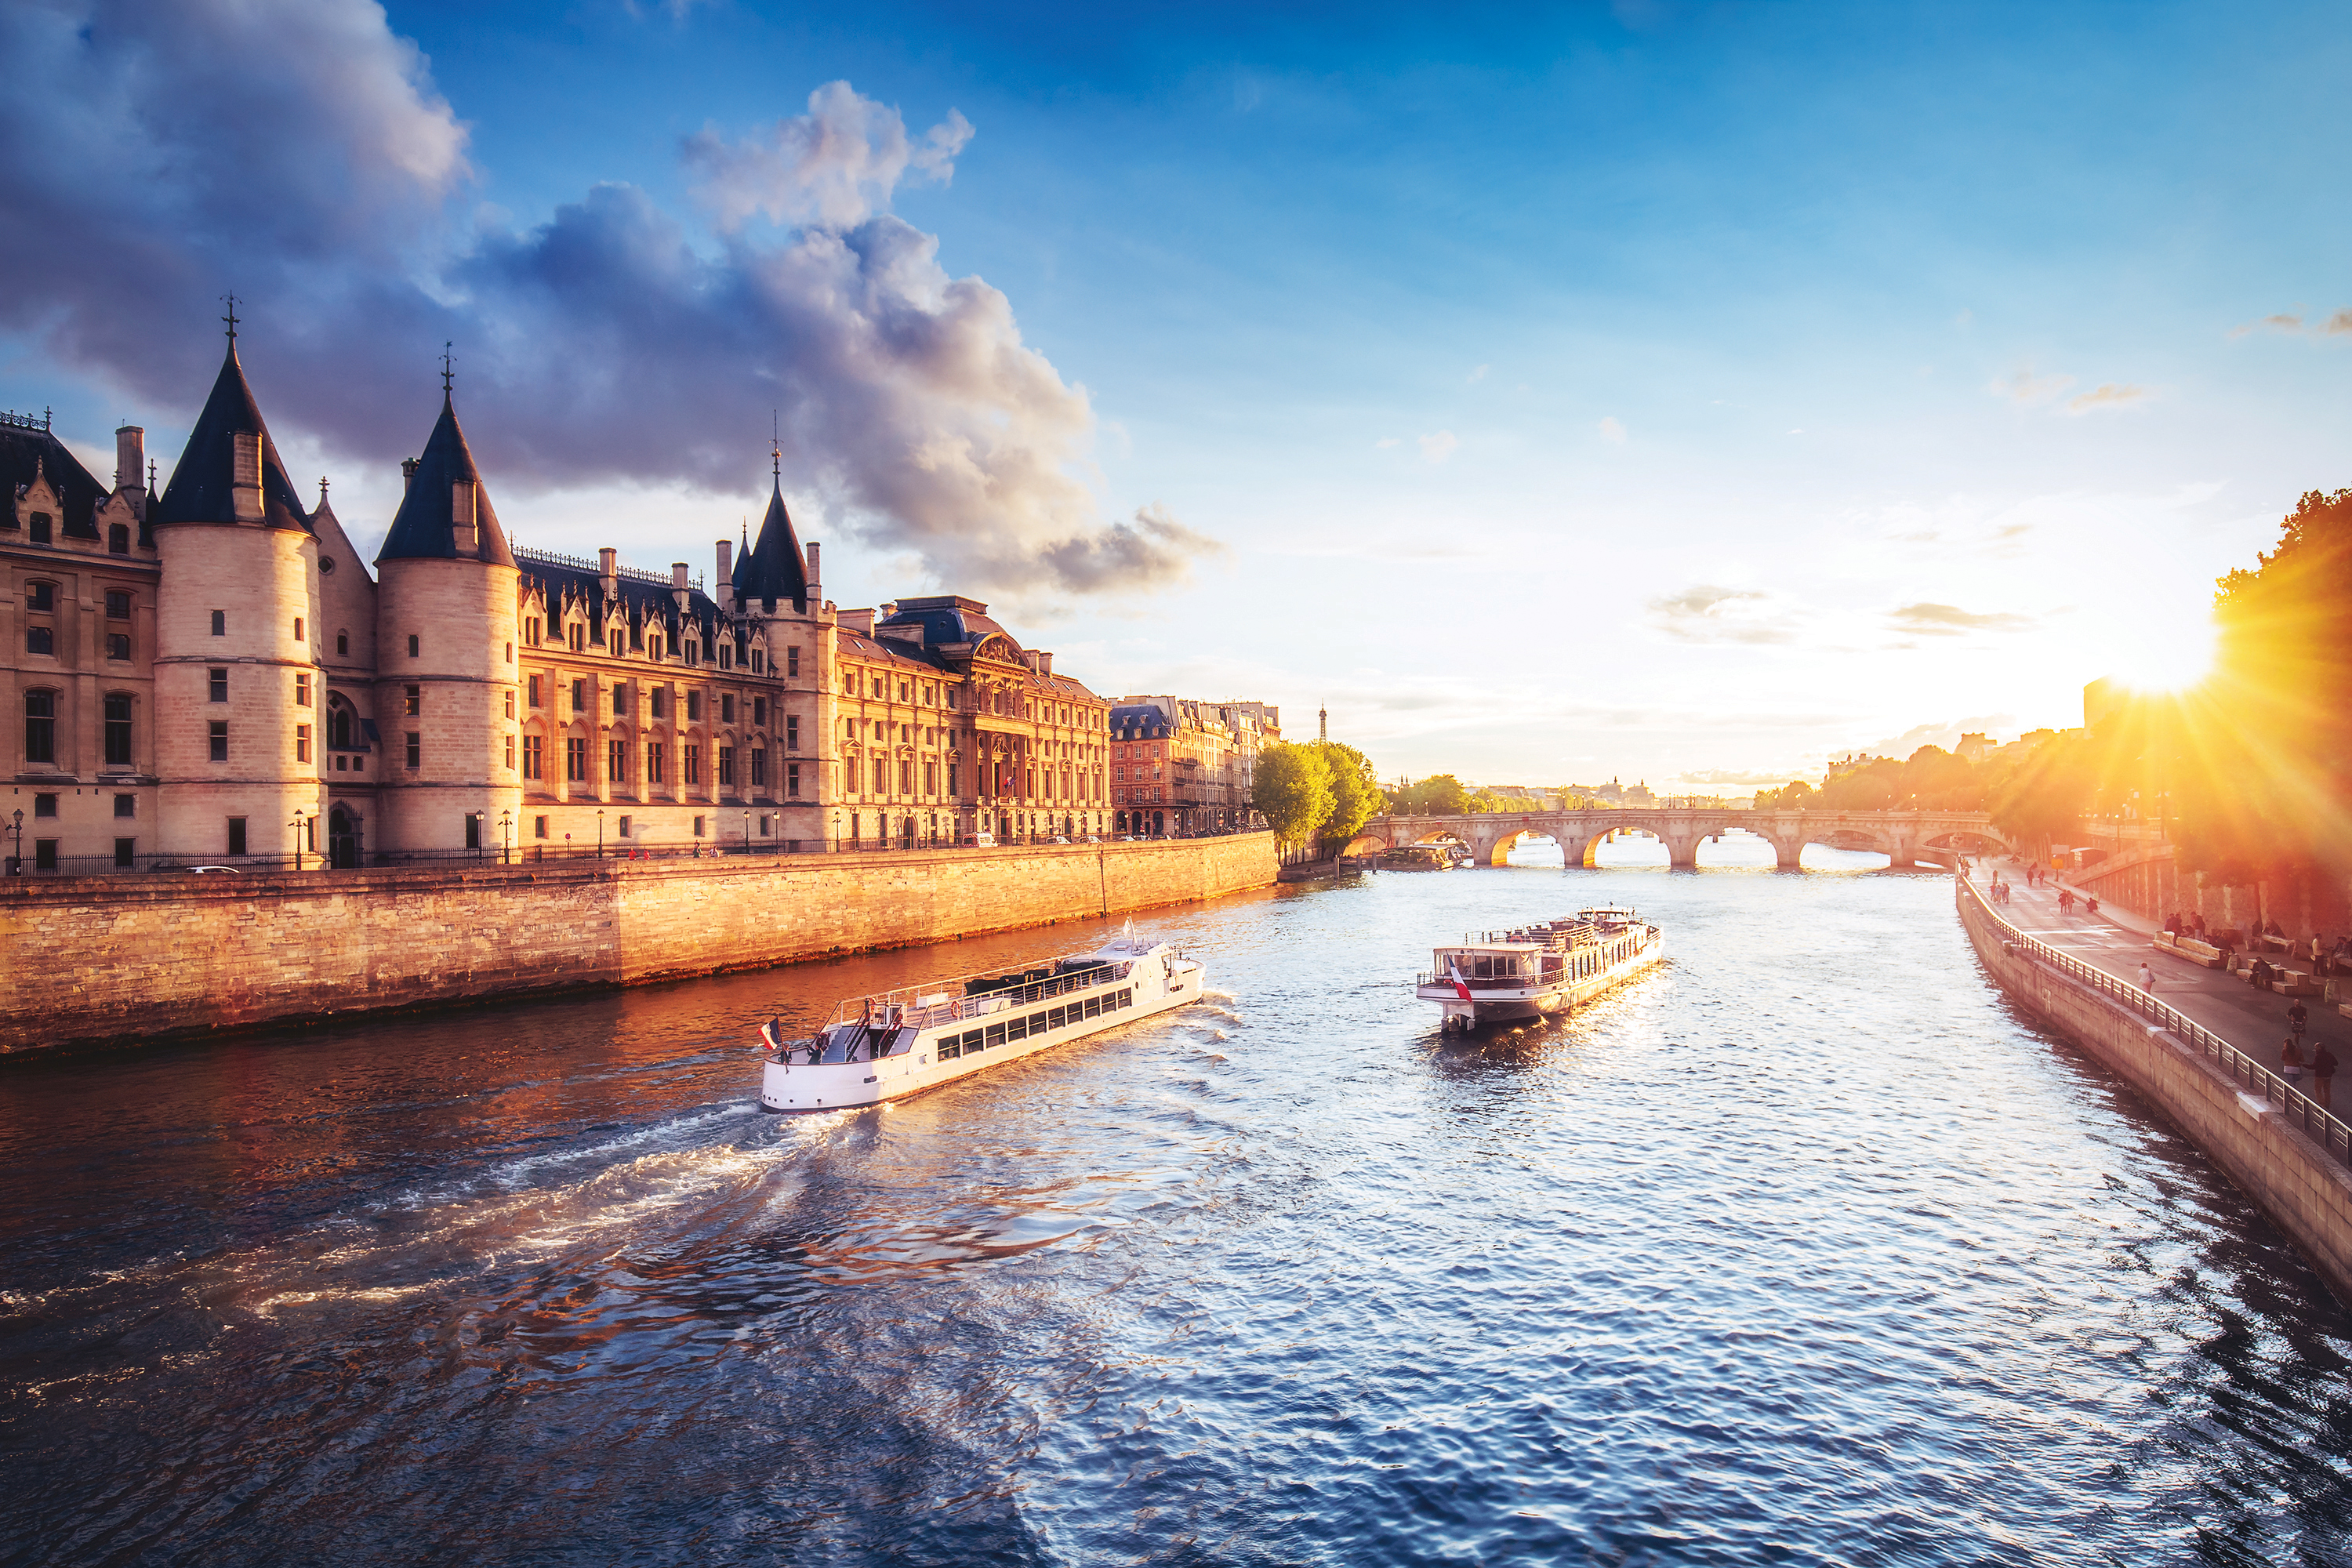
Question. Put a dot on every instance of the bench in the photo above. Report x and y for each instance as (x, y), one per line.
(2190, 948)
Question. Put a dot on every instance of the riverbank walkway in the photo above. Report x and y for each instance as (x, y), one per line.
(2118, 941)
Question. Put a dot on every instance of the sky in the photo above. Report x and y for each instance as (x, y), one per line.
(1667, 391)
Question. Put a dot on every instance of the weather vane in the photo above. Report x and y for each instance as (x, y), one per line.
(230, 300)
(446, 376)
(776, 447)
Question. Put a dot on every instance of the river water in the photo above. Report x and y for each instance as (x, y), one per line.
(1803, 1248)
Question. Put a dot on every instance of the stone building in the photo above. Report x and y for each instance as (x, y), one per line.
(1184, 766)
(216, 677)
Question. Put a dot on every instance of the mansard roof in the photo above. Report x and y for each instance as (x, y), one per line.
(858, 645)
(636, 600)
(202, 479)
(775, 568)
(425, 527)
(947, 618)
(1139, 722)
(26, 449)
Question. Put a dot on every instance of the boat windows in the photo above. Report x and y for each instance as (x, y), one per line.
(1126, 998)
(949, 1051)
(1057, 1017)
(1017, 1031)
(971, 1039)
(1093, 1005)
(995, 1035)
(1037, 1023)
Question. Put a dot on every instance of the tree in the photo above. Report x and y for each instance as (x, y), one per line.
(1794, 795)
(1355, 793)
(2044, 796)
(1440, 795)
(1293, 790)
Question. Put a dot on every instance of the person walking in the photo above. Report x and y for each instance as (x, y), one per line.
(2298, 1017)
(2146, 977)
(2291, 1063)
(2066, 900)
(2323, 1075)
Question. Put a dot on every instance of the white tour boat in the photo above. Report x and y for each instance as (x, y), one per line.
(1539, 970)
(899, 1043)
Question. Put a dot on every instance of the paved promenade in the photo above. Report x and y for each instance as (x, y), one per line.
(2116, 941)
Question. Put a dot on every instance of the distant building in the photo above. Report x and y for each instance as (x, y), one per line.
(1973, 748)
(1185, 766)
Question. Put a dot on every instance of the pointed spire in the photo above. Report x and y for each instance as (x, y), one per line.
(205, 482)
(775, 568)
(446, 514)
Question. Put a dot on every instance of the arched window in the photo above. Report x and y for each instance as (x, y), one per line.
(40, 726)
(342, 725)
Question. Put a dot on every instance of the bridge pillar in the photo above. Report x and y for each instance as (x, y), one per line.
(1788, 850)
(1682, 850)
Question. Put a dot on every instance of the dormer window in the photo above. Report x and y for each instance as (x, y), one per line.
(620, 645)
(41, 528)
(577, 636)
(117, 539)
(725, 656)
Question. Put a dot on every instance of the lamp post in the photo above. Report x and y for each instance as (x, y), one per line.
(600, 833)
(17, 861)
(297, 826)
(478, 817)
(506, 838)
(747, 832)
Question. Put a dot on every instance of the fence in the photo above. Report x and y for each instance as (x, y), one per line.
(2297, 1107)
(533, 852)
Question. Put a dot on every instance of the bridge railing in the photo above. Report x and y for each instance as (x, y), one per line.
(2297, 1107)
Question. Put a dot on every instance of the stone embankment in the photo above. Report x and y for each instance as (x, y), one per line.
(2228, 1106)
(102, 958)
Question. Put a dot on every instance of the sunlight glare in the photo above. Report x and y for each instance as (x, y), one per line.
(2172, 657)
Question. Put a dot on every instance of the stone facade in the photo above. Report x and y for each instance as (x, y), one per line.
(216, 677)
(1183, 766)
(156, 955)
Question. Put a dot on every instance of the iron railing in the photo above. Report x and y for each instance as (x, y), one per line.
(2297, 1107)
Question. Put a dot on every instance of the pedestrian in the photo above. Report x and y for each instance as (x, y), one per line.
(2298, 1017)
(2146, 977)
(2291, 1063)
(2091, 903)
(2323, 1074)
(2066, 900)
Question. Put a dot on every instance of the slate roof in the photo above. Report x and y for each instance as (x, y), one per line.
(635, 602)
(857, 645)
(24, 449)
(199, 490)
(775, 568)
(425, 527)
(1139, 722)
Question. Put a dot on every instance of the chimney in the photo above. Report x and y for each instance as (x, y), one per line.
(678, 588)
(1044, 664)
(608, 571)
(462, 519)
(720, 585)
(129, 458)
(407, 472)
(244, 476)
(816, 597)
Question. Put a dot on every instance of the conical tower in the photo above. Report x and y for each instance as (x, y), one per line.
(445, 682)
(237, 683)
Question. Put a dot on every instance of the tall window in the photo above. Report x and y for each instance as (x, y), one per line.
(759, 768)
(510, 702)
(791, 662)
(118, 644)
(580, 697)
(575, 758)
(220, 622)
(217, 735)
(302, 743)
(727, 707)
(691, 764)
(759, 711)
(414, 698)
(510, 749)
(415, 749)
(338, 725)
(535, 691)
(906, 778)
(302, 691)
(117, 539)
(793, 779)
(656, 754)
(117, 729)
(534, 757)
(727, 766)
(617, 761)
(881, 776)
(694, 706)
(40, 726)
(40, 639)
(791, 732)
(236, 835)
(657, 702)
(217, 685)
(118, 603)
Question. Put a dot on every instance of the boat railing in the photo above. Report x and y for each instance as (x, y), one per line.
(923, 1007)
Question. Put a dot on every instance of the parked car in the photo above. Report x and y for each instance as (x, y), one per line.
(978, 841)
(230, 870)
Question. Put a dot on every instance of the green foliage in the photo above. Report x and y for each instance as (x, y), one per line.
(1355, 793)
(2039, 800)
(1293, 790)
(1440, 795)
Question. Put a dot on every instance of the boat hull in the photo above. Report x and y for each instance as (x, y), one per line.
(1525, 1005)
(923, 1063)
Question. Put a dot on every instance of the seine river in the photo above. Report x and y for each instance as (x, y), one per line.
(1803, 1248)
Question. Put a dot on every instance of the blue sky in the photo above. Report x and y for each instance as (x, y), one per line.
(1671, 390)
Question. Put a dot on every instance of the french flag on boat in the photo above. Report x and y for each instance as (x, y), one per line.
(1454, 973)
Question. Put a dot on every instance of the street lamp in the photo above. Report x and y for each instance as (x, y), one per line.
(478, 817)
(747, 833)
(506, 838)
(17, 861)
(600, 833)
(297, 826)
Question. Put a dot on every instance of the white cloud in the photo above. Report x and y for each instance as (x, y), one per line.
(1612, 430)
(1439, 446)
(836, 165)
(1480, 373)
(2106, 394)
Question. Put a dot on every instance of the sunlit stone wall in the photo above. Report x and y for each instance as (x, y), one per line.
(95, 958)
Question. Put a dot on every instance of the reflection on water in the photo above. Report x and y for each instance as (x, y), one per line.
(1800, 1248)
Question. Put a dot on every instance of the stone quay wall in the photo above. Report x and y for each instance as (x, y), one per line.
(102, 958)
(2298, 1186)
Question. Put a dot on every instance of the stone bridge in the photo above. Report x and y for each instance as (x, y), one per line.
(1904, 838)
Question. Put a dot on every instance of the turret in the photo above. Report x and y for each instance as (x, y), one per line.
(238, 696)
(446, 699)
